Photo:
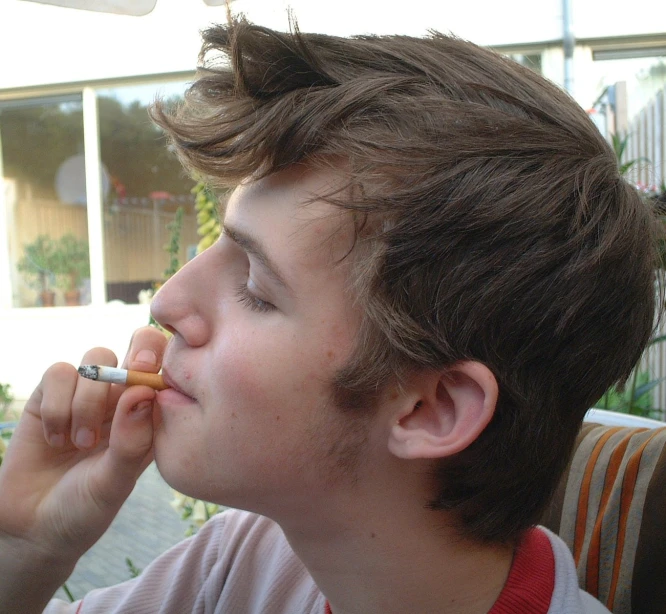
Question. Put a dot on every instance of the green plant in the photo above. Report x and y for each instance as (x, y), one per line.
(5, 436)
(208, 223)
(194, 510)
(636, 397)
(72, 262)
(134, 571)
(173, 248)
(6, 430)
(39, 263)
(6, 398)
(619, 146)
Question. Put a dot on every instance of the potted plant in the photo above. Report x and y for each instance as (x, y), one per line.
(38, 267)
(72, 265)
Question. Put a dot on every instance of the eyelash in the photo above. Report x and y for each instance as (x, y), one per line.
(251, 301)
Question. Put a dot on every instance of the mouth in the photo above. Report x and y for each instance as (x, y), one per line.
(174, 386)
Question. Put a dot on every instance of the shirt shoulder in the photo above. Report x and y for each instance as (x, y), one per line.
(257, 572)
(568, 598)
(237, 562)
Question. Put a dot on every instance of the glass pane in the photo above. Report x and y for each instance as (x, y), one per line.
(644, 77)
(146, 185)
(42, 155)
(531, 60)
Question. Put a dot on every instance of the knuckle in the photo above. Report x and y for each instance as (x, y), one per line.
(54, 417)
(59, 371)
(85, 409)
(101, 355)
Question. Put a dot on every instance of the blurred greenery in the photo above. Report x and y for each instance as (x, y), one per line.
(133, 149)
(72, 262)
(636, 397)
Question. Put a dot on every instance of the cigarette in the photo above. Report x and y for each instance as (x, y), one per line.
(122, 376)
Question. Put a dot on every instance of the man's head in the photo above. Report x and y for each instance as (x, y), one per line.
(491, 227)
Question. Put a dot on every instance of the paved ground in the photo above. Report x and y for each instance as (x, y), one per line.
(145, 527)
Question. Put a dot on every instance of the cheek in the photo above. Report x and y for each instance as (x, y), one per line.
(274, 370)
(268, 370)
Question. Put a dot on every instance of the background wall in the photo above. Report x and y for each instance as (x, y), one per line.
(42, 44)
(33, 339)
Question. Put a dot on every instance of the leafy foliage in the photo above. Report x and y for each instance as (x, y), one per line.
(72, 261)
(6, 430)
(208, 221)
(619, 147)
(134, 571)
(39, 263)
(51, 133)
(173, 248)
(6, 399)
(637, 397)
(194, 510)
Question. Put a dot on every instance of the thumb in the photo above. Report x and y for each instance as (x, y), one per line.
(130, 444)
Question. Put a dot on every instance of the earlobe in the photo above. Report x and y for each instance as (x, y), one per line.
(452, 409)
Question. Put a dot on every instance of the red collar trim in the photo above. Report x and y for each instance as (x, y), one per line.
(531, 581)
(529, 587)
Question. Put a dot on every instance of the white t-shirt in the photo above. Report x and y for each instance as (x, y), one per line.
(241, 563)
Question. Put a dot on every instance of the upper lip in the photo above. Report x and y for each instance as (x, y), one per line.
(172, 384)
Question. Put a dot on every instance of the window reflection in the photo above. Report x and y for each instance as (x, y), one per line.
(644, 78)
(42, 161)
(146, 186)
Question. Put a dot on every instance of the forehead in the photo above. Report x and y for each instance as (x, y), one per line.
(285, 212)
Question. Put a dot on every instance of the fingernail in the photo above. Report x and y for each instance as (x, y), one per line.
(140, 410)
(85, 438)
(57, 440)
(147, 356)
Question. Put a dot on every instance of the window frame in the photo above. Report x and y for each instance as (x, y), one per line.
(87, 93)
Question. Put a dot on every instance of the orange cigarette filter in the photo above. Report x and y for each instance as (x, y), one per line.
(125, 377)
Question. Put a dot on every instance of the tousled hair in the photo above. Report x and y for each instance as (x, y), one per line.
(493, 220)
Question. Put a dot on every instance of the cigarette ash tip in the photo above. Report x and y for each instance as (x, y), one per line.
(89, 371)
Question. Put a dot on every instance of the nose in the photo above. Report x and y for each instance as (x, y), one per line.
(180, 304)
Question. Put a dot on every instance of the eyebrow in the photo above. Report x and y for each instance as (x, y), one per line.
(253, 247)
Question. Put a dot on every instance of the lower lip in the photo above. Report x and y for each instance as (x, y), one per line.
(171, 396)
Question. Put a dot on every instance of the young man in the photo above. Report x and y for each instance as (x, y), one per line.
(430, 269)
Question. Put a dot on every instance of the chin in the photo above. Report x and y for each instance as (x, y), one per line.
(172, 467)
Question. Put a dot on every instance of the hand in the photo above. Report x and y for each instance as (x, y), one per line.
(75, 456)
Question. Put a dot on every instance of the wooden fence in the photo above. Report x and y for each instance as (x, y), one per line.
(647, 143)
(134, 236)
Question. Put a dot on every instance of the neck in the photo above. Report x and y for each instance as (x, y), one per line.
(396, 562)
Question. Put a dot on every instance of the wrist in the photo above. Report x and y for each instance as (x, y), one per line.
(29, 575)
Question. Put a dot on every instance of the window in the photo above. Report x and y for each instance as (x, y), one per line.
(530, 60)
(144, 185)
(42, 163)
(644, 77)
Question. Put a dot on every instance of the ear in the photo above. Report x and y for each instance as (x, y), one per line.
(445, 412)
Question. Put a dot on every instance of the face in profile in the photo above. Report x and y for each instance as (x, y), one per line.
(262, 321)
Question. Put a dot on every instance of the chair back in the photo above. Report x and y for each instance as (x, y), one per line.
(610, 509)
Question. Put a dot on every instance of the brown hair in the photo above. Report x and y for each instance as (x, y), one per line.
(504, 232)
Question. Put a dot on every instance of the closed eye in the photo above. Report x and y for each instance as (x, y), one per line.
(251, 301)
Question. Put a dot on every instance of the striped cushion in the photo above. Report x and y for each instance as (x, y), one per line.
(610, 509)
